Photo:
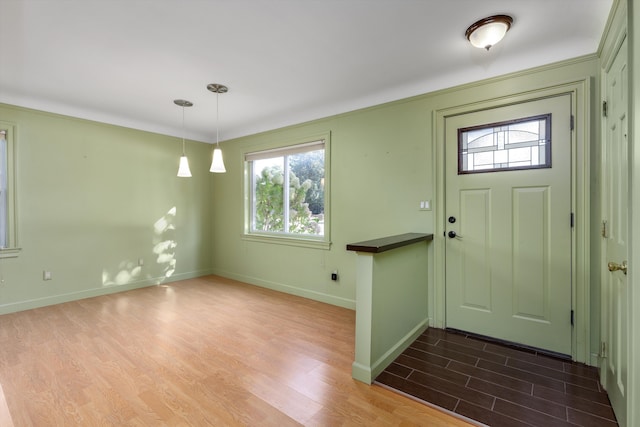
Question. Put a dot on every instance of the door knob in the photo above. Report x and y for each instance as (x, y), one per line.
(613, 266)
(452, 235)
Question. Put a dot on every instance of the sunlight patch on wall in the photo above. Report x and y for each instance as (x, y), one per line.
(128, 272)
(164, 249)
(164, 244)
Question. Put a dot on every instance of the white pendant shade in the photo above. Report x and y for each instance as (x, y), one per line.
(217, 165)
(183, 169)
(489, 31)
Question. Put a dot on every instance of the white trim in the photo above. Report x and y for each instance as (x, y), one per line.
(288, 289)
(610, 47)
(580, 204)
(633, 385)
(273, 149)
(12, 249)
(285, 151)
(624, 23)
(304, 241)
(102, 290)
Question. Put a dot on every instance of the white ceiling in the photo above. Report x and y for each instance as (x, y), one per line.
(284, 61)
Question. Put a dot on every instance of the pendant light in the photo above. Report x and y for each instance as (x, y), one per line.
(488, 31)
(183, 168)
(217, 163)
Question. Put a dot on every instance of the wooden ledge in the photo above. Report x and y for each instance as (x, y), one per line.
(387, 243)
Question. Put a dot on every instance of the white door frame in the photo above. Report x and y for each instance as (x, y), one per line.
(580, 206)
(614, 35)
(609, 316)
(634, 217)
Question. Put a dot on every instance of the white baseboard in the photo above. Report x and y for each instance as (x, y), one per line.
(395, 351)
(281, 287)
(94, 292)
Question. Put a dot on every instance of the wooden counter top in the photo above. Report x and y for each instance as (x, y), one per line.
(387, 243)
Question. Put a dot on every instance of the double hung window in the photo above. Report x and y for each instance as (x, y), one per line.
(8, 238)
(287, 192)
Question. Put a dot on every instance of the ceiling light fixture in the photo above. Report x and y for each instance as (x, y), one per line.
(217, 163)
(488, 31)
(183, 168)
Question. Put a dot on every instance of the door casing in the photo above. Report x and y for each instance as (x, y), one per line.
(580, 206)
(491, 289)
(613, 42)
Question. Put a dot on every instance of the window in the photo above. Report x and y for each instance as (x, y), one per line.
(517, 144)
(8, 240)
(286, 192)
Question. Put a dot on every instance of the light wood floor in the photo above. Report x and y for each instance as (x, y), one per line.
(201, 352)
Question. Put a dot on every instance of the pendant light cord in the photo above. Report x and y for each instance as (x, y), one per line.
(183, 130)
(217, 119)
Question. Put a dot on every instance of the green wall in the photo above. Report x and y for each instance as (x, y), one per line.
(90, 195)
(378, 196)
(93, 199)
(382, 166)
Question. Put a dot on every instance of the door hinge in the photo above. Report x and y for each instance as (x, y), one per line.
(603, 349)
(572, 220)
(604, 108)
(571, 317)
(572, 122)
(603, 230)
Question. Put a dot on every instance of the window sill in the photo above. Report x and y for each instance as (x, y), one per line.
(9, 252)
(287, 240)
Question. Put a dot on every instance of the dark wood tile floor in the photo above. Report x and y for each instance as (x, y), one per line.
(498, 385)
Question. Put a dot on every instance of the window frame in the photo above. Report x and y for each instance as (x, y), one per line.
(548, 153)
(12, 249)
(287, 147)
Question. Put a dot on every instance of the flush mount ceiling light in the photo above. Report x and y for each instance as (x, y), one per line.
(488, 31)
(217, 163)
(183, 168)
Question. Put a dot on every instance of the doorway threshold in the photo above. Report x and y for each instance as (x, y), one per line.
(513, 345)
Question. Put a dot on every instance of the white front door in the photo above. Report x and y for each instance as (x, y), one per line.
(509, 223)
(615, 291)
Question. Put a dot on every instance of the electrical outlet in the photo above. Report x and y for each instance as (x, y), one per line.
(46, 275)
(334, 275)
(140, 262)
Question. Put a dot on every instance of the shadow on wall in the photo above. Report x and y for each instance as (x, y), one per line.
(164, 245)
